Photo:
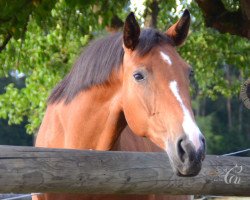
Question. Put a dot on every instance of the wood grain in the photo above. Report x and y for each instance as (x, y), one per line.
(30, 169)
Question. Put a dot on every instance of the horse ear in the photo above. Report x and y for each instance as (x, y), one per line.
(179, 31)
(131, 32)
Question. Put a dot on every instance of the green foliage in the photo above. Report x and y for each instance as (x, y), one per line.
(15, 15)
(231, 5)
(214, 139)
(45, 55)
(209, 52)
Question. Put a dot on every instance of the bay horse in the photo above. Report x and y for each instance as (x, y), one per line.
(133, 78)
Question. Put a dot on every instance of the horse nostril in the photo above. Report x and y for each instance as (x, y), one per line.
(203, 141)
(203, 149)
(185, 150)
(180, 150)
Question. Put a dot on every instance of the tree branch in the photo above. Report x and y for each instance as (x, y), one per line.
(218, 17)
(151, 13)
(5, 42)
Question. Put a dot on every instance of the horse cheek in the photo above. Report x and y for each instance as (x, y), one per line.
(135, 115)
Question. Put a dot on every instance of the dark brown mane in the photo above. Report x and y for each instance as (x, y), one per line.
(98, 60)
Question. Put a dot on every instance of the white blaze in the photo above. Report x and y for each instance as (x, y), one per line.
(189, 126)
(166, 58)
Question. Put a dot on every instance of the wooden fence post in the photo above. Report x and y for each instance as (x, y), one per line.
(29, 169)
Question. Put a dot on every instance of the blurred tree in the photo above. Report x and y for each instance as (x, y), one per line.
(231, 16)
(15, 134)
(46, 52)
(15, 16)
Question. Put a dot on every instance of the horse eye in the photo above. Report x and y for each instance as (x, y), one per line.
(139, 76)
(191, 73)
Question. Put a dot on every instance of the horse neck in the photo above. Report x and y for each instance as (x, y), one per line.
(92, 120)
(111, 120)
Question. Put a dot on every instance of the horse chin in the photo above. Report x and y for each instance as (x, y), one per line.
(187, 171)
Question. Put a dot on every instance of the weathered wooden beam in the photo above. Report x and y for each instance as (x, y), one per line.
(29, 169)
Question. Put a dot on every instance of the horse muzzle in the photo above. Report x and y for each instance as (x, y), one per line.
(186, 160)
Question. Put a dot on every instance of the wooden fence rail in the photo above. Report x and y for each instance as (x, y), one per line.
(29, 169)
